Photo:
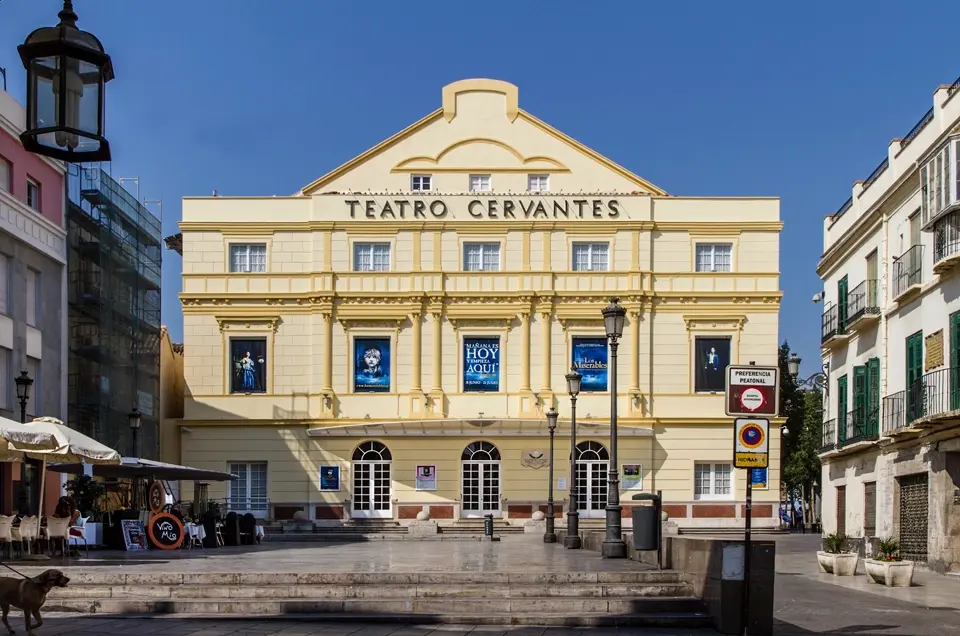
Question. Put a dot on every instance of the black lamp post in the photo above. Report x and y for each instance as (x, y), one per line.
(550, 536)
(134, 417)
(613, 546)
(24, 382)
(572, 539)
(66, 72)
(816, 381)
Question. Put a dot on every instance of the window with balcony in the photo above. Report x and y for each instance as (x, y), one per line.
(538, 182)
(481, 257)
(908, 271)
(248, 258)
(479, 183)
(248, 491)
(712, 481)
(591, 257)
(864, 422)
(421, 182)
(33, 194)
(5, 171)
(714, 258)
(371, 257)
(939, 181)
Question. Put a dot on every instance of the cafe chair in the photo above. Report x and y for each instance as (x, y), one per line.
(58, 529)
(78, 533)
(219, 529)
(28, 532)
(6, 533)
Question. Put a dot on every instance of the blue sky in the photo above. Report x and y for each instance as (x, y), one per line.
(795, 100)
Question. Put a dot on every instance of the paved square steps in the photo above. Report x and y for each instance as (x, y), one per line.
(507, 598)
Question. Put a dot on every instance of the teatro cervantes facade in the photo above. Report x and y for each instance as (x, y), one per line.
(389, 339)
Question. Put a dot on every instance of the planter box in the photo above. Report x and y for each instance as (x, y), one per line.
(890, 573)
(844, 564)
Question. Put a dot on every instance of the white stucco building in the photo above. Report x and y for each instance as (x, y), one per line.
(891, 346)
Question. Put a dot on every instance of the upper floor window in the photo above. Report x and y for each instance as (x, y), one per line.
(481, 257)
(4, 283)
(5, 174)
(246, 258)
(939, 180)
(538, 182)
(591, 257)
(479, 183)
(421, 183)
(33, 369)
(714, 258)
(371, 257)
(33, 194)
(33, 296)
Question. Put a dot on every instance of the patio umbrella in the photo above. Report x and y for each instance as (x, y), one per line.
(25, 437)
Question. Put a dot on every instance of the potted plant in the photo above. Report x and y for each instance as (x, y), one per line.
(87, 493)
(888, 568)
(833, 559)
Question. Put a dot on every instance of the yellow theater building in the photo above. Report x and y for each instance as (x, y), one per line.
(389, 339)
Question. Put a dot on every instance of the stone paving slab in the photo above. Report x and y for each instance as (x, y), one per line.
(523, 553)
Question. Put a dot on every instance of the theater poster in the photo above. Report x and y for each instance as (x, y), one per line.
(590, 361)
(371, 365)
(712, 357)
(248, 358)
(481, 364)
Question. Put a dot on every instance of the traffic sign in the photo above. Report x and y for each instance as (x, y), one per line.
(753, 391)
(751, 443)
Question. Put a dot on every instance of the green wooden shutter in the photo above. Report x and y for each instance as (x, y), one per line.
(841, 410)
(873, 397)
(859, 401)
(842, 304)
(914, 376)
(955, 360)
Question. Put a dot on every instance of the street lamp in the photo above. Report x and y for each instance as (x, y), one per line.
(572, 539)
(550, 536)
(66, 71)
(613, 546)
(816, 381)
(24, 382)
(134, 417)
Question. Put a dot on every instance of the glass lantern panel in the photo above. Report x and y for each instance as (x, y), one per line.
(88, 119)
(43, 115)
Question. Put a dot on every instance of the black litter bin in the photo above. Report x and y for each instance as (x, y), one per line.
(646, 533)
(488, 525)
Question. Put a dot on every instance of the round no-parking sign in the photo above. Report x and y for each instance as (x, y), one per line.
(751, 446)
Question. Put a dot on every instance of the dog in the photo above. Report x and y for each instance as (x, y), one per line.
(28, 595)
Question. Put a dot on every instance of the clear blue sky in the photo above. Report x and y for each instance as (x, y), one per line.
(795, 100)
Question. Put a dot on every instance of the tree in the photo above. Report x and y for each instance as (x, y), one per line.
(792, 406)
(801, 471)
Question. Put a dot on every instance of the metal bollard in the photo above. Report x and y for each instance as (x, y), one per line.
(488, 526)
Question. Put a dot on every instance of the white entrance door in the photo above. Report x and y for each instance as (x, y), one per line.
(592, 468)
(480, 480)
(372, 485)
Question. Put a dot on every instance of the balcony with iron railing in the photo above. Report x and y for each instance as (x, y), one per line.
(860, 425)
(863, 305)
(908, 273)
(932, 399)
(829, 436)
(946, 243)
(832, 329)
(893, 413)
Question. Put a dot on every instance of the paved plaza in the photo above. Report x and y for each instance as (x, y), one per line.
(807, 602)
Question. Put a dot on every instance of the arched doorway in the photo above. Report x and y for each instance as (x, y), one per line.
(372, 486)
(480, 473)
(593, 463)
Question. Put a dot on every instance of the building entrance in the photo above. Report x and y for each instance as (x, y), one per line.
(480, 474)
(593, 463)
(372, 486)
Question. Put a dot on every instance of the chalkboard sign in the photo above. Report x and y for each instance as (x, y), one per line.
(134, 538)
(166, 531)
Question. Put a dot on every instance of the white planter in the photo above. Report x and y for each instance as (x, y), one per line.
(890, 573)
(844, 564)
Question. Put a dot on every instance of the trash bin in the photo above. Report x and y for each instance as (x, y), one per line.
(488, 525)
(646, 533)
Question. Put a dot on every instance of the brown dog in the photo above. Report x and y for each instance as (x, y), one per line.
(28, 595)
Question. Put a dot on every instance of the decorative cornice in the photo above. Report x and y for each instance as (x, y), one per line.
(708, 321)
(243, 323)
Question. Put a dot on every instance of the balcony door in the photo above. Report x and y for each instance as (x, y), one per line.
(915, 390)
(842, 304)
(842, 409)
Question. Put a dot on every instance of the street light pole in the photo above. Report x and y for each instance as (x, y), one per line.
(613, 546)
(24, 382)
(572, 539)
(550, 536)
(30, 466)
(134, 417)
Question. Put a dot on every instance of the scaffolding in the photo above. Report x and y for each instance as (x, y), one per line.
(114, 276)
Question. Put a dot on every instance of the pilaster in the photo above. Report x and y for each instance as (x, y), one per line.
(528, 404)
(545, 311)
(634, 313)
(435, 403)
(326, 377)
(416, 396)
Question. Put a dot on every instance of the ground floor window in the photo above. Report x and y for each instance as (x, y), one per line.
(248, 492)
(712, 481)
(372, 481)
(480, 480)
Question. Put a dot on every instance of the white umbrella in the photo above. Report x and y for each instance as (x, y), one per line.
(25, 437)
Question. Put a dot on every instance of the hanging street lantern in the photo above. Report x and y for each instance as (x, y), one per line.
(66, 71)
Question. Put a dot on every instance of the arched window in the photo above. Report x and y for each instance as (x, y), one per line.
(592, 452)
(372, 452)
(480, 451)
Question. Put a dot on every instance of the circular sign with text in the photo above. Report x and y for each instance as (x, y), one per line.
(751, 436)
(751, 399)
(165, 531)
(157, 497)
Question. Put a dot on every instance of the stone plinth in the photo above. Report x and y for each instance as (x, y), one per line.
(422, 528)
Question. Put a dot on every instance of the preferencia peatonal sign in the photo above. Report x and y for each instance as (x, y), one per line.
(753, 391)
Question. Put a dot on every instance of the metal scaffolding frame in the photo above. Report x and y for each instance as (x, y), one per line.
(114, 258)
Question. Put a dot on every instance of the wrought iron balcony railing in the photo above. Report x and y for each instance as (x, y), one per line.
(862, 425)
(830, 323)
(863, 300)
(893, 412)
(933, 394)
(829, 441)
(907, 270)
(946, 238)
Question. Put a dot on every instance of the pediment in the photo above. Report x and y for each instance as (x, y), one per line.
(479, 154)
